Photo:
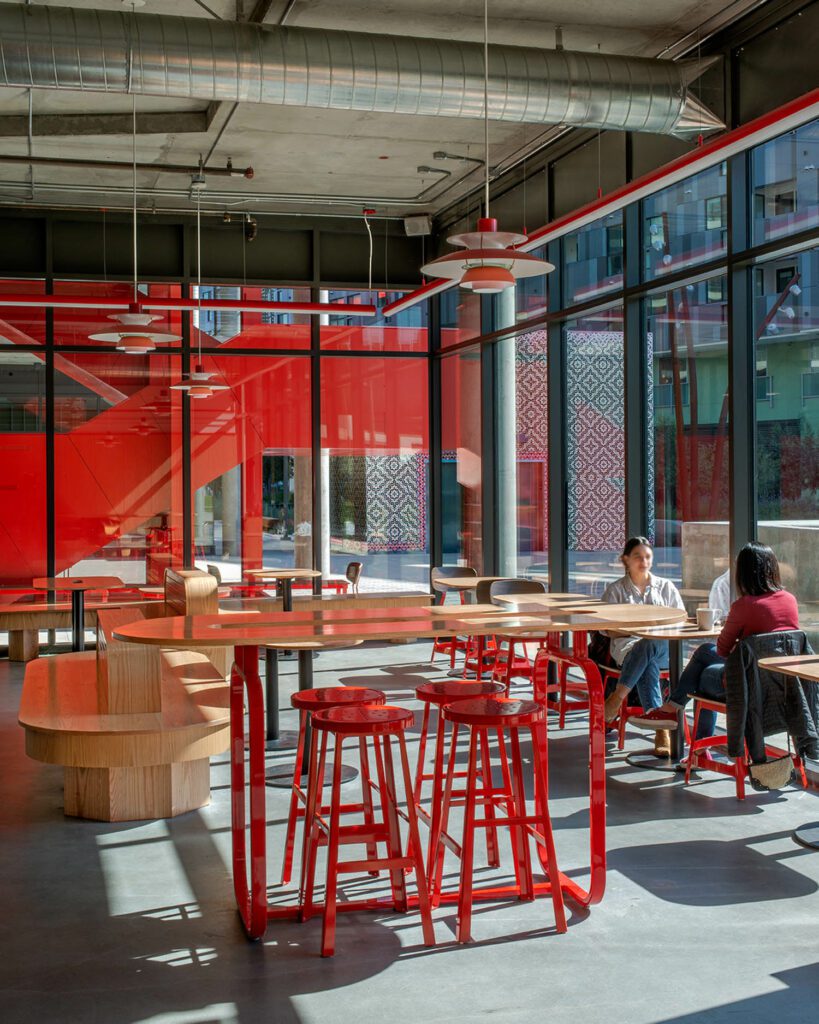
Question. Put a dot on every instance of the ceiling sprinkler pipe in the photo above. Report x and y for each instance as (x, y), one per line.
(123, 165)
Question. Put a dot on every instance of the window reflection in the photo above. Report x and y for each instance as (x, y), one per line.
(685, 224)
(593, 259)
(785, 184)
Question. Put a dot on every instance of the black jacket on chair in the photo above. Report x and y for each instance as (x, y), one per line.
(761, 703)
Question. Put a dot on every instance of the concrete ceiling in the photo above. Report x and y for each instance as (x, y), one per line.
(344, 159)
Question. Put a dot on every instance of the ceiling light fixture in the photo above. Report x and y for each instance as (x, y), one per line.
(134, 342)
(198, 384)
(489, 263)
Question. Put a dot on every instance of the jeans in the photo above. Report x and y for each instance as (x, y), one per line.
(642, 667)
(704, 674)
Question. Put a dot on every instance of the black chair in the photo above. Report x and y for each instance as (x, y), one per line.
(215, 571)
(353, 574)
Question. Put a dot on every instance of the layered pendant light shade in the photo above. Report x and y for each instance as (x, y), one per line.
(489, 262)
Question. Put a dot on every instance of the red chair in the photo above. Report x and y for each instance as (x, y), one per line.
(380, 726)
(450, 644)
(307, 702)
(504, 718)
(737, 768)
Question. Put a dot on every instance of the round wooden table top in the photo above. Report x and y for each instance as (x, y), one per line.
(332, 625)
(283, 574)
(603, 616)
(805, 666)
(680, 631)
(77, 583)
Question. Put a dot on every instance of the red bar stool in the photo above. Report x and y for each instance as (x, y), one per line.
(440, 695)
(506, 717)
(627, 710)
(448, 644)
(380, 725)
(307, 702)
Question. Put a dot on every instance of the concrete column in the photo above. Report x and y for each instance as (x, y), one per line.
(231, 511)
(506, 435)
(303, 511)
(199, 514)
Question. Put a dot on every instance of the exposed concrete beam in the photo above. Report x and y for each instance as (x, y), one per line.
(259, 11)
(53, 125)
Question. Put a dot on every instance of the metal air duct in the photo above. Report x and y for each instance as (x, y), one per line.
(197, 58)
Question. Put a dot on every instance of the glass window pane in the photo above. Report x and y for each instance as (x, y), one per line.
(23, 494)
(22, 325)
(251, 465)
(461, 470)
(117, 446)
(460, 316)
(243, 329)
(530, 293)
(785, 184)
(786, 313)
(687, 348)
(685, 224)
(374, 470)
(595, 448)
(593, 259)
(405, 332)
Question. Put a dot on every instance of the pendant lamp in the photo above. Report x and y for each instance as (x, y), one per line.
(489, 263)
(134, 339)
(198, 384)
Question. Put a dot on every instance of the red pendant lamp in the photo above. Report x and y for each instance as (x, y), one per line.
(489, 263)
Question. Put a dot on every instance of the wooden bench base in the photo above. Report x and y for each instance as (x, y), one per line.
(131, 794)
(24, 644)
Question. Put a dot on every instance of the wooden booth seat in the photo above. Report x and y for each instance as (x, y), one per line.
(133, 726)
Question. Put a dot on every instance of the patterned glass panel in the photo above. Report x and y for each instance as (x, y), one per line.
(595, 448)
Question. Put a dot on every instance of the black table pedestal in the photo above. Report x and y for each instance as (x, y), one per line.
(647, 760)
(77, 620)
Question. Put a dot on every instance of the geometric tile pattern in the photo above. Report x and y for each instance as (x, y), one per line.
(596, 440)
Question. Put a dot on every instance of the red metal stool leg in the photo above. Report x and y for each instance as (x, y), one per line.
(527, 890)
(464, 929)
(328, 930)
(415, 849)
(422, 751)
(492, 853)
(293, 813)
(367, 798)
(436, 871)
(390, 799)
(540, 757)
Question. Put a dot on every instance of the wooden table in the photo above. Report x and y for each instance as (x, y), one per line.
(246, 632)
(78, 586)
(806, 668)
(675, 635)
(284, 581)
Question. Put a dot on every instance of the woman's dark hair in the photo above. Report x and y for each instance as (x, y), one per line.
(632, 543)
(757, 570)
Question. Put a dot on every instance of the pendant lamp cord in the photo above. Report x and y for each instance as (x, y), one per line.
(370, 233)
(132, 27)
(486, 103)
(199, 277)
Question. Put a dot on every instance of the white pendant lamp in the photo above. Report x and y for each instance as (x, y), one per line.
(488, 263)
(134, 339)
(198, 384)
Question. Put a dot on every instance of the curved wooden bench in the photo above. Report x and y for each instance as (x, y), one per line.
(133, 726)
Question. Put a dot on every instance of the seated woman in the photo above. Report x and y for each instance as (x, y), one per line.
(640, 661)
(762, 606)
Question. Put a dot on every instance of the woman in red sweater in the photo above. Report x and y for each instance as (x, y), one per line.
(761, 607)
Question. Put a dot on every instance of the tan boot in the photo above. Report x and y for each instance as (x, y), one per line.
(662, 743)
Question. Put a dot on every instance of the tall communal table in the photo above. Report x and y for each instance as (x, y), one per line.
(78, 586)
(247, 631)
(283, 579)
(806, 668)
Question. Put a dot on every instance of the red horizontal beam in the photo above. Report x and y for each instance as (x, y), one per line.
(147, 304)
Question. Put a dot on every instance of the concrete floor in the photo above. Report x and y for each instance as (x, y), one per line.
(710, 914)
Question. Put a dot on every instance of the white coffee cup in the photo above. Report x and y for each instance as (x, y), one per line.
(706, 618)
